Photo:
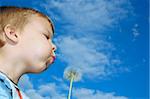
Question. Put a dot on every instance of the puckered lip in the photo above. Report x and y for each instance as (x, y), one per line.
(51, 59)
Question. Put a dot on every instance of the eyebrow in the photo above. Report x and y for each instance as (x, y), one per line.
(50, 34)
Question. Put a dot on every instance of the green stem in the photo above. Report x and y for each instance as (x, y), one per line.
(70, 89)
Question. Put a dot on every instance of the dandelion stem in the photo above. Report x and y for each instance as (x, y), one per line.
(70, 89)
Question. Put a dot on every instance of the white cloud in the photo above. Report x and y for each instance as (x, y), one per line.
(45, 91)
(91, 58)
(86, 16)
(34, 95)
(51, 90)
(84, 93)
(57, 79)
(25, 82)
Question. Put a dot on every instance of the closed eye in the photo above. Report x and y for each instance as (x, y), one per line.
(46, 36)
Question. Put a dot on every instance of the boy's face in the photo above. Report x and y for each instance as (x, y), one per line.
(37, 49)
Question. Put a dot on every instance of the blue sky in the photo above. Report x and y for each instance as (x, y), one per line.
(106, 41)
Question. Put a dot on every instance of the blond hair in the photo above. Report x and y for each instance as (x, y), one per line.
(17, 17)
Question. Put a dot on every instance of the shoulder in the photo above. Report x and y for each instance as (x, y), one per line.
(5, 91)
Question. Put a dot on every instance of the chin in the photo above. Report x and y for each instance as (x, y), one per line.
(39, 68)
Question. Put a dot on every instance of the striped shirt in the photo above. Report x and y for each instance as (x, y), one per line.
(9, 90)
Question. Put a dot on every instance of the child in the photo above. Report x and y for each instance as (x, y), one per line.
(25, 47)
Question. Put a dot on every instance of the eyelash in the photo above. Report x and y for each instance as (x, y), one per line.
(46, 36)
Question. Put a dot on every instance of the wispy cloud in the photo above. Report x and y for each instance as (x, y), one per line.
(82, 16)
(78, 54)
(84, 93)
(135, 31)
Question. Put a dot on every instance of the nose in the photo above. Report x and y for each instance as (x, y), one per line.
(54, 47)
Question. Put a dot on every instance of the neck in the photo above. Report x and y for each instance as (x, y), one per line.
(11, 74)
(13, 70)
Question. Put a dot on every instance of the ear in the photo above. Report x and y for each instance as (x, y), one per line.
(11, 34)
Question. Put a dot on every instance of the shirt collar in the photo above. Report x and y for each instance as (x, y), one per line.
(9, 83)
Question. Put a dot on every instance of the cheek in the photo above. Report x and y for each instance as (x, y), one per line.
(38, 49)
(41, 48)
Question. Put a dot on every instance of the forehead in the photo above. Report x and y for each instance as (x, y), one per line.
(41, 24)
